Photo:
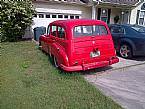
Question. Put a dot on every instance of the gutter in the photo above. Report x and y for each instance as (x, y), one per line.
(121, 4)
(141, 1)
(60, 2)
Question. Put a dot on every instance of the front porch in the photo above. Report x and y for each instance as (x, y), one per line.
(108, 14)
(107, 10)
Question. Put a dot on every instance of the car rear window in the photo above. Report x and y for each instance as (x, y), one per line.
(94, 30)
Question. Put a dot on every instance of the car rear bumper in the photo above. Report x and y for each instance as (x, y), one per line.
(90, 65)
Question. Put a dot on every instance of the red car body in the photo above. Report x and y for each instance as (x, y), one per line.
(76, 45)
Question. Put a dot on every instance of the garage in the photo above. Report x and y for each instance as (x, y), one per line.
(47, 11)
(45, 16)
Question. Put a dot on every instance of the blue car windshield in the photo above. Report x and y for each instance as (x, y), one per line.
(139, 29)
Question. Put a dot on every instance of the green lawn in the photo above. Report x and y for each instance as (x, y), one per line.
(28, 81)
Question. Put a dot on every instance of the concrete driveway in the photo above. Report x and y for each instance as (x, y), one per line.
(123, 82)
(124, 63)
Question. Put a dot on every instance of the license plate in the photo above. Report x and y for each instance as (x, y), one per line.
(95, 54)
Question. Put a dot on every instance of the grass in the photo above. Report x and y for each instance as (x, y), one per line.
(29, 81)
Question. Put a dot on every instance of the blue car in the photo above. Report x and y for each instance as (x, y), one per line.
(129, 40)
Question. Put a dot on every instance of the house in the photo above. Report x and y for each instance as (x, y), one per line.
(106, 10)
(138, 14)
(51, 10)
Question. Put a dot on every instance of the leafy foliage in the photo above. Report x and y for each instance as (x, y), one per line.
(15, 17)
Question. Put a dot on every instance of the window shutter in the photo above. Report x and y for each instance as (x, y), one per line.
(109, 13)
(137, 16)
(99, 13)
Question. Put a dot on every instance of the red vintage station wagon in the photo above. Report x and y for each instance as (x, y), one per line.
(80, 44)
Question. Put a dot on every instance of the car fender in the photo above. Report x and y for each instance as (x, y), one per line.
(42, 42)
(128, 41)
(59, 53)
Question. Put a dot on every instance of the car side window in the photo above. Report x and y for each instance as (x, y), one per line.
(116, 30)
(61, 32)
(77, 31)
(87, 30)
(121, 30)
(102, 30)
(53, 30)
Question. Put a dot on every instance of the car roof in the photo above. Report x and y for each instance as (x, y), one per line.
(77, 22)
(124, 25)
(119, 25)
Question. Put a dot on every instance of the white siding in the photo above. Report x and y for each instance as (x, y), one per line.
(114, 12)
(134, 14)
(69, 9)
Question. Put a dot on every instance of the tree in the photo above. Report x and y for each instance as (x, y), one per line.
(15, 17)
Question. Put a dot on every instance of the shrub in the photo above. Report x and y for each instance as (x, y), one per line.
(15, 17)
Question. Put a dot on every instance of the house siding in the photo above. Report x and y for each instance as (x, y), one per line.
(121, 2)
(114, 12)
(86, 11)
(133, 17)
(60, 8)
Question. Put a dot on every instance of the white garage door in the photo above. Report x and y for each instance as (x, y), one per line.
(46, 16)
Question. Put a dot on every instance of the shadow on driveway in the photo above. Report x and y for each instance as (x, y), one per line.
(138, 58)
(123, 63)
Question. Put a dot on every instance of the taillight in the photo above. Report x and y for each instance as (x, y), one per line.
(115, 52)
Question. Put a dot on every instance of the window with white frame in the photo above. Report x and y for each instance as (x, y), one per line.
(140, 20)
(60, 16)
(48, 16)
(71, 16)
(55, 16)
(41, 15)
(66, 16)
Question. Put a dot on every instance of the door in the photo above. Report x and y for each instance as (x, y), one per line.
(45, 18)
(58, 43)
(104, 14)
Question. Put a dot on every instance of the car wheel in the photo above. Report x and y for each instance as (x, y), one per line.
(125, 51)
(55, 63)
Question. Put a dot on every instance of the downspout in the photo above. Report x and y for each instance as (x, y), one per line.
(129, 17)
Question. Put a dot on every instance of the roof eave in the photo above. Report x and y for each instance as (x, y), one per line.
(133, 5)
(61, 2)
